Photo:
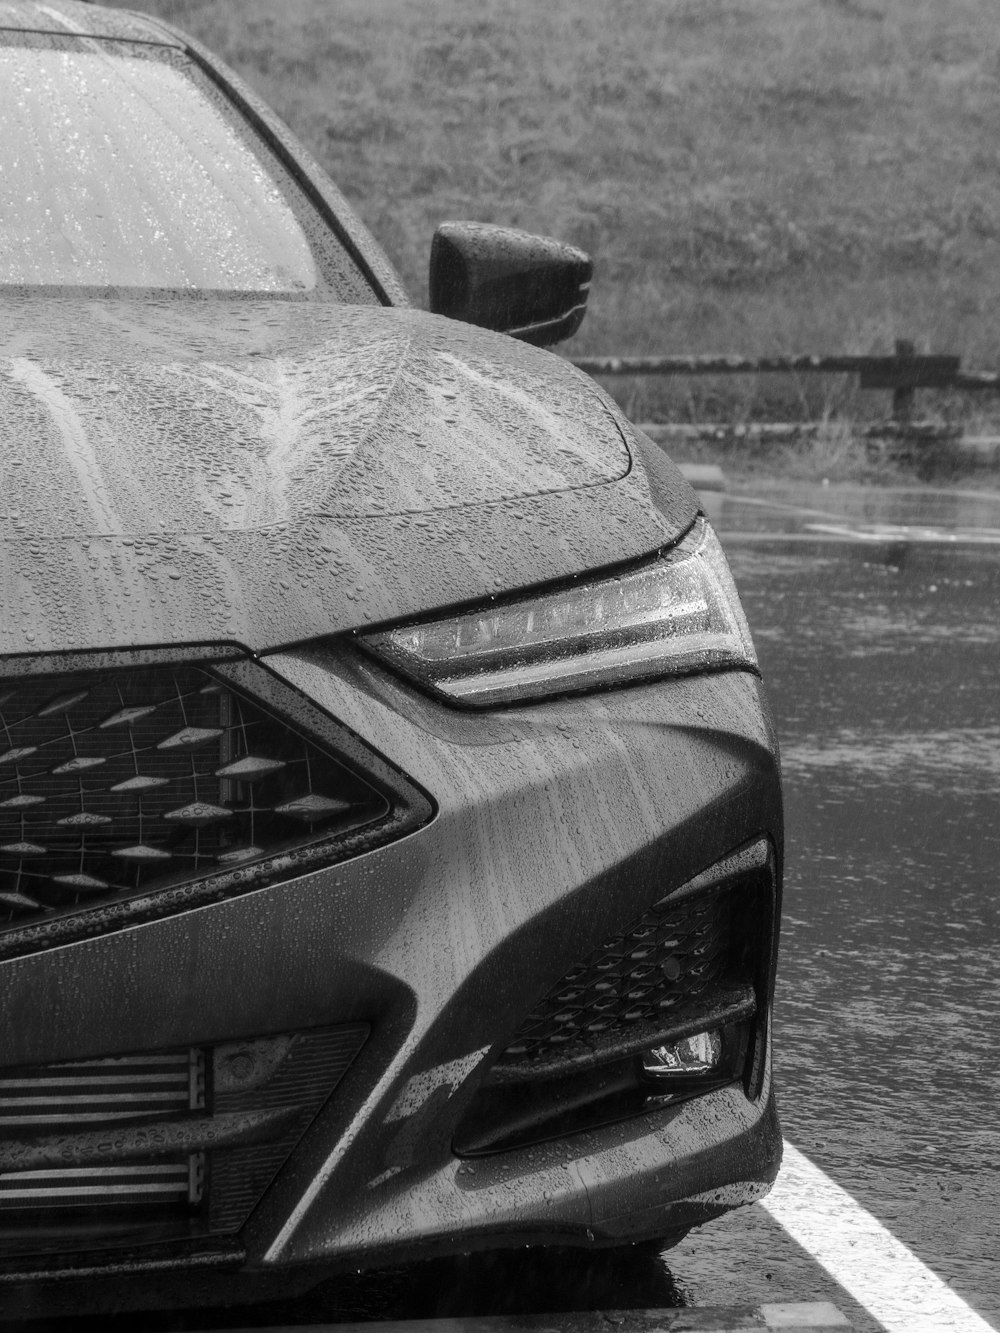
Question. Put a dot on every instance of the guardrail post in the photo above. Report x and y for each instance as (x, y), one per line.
(903, 397)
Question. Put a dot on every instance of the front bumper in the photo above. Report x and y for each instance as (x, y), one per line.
(556, 826)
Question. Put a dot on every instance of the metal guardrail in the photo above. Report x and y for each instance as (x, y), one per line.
(902, 373)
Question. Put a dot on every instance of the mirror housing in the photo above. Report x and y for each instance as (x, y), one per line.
(531, 287)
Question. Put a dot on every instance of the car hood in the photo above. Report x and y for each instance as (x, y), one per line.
(267, 472)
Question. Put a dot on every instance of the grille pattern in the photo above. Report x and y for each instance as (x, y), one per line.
(674, 953)
(162, 1182)
(60, 1099)
(84, 1093)
(181, 1141)
(113, 782)
(315, 1064)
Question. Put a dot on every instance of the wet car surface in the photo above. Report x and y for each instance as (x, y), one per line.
(390, 821)
(878, 639)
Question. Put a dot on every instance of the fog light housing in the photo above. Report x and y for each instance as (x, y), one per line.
(701, 1053)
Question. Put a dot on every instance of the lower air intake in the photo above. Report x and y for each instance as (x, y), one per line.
(689, 975)
(695, 953)
(60, 1101)
(670, 957)
(85, 1093)
(177, 1145)
(93, 1186)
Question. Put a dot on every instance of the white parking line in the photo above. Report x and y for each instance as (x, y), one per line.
(896, 1289)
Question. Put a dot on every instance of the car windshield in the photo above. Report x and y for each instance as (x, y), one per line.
(121, 167)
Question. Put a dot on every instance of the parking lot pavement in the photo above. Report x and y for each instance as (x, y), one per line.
(811, 1236)
(875, 617)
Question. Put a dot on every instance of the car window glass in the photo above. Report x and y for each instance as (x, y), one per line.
(118, 170)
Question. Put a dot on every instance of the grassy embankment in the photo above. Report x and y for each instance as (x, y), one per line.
(751, 176)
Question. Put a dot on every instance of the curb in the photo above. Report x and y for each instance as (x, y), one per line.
(792, 1317)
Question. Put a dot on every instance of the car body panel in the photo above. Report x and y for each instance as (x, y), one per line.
(267, 472)
(71, 18)
(441, 941)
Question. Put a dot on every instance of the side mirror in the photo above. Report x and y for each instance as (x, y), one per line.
(532, 287)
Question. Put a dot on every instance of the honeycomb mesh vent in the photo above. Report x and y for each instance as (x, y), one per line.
(121, 781)
(673, 955)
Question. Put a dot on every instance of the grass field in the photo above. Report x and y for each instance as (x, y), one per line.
(749, 175)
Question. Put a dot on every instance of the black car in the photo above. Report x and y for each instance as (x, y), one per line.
(390, 820)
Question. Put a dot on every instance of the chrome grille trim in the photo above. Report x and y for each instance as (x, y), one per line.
(64, 1098)
(178, 1182)
(87, 1092)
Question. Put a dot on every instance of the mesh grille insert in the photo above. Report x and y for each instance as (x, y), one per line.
(698, 959)
(121, 781)
(676, 957)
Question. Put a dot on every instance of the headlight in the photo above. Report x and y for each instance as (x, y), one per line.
(675, 613)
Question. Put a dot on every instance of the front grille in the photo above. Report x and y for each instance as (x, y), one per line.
(697, 949)
(117, 782)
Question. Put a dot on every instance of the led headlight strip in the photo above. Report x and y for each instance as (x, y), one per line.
(675, 613)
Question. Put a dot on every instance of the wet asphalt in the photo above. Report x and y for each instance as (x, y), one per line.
(877, 621)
